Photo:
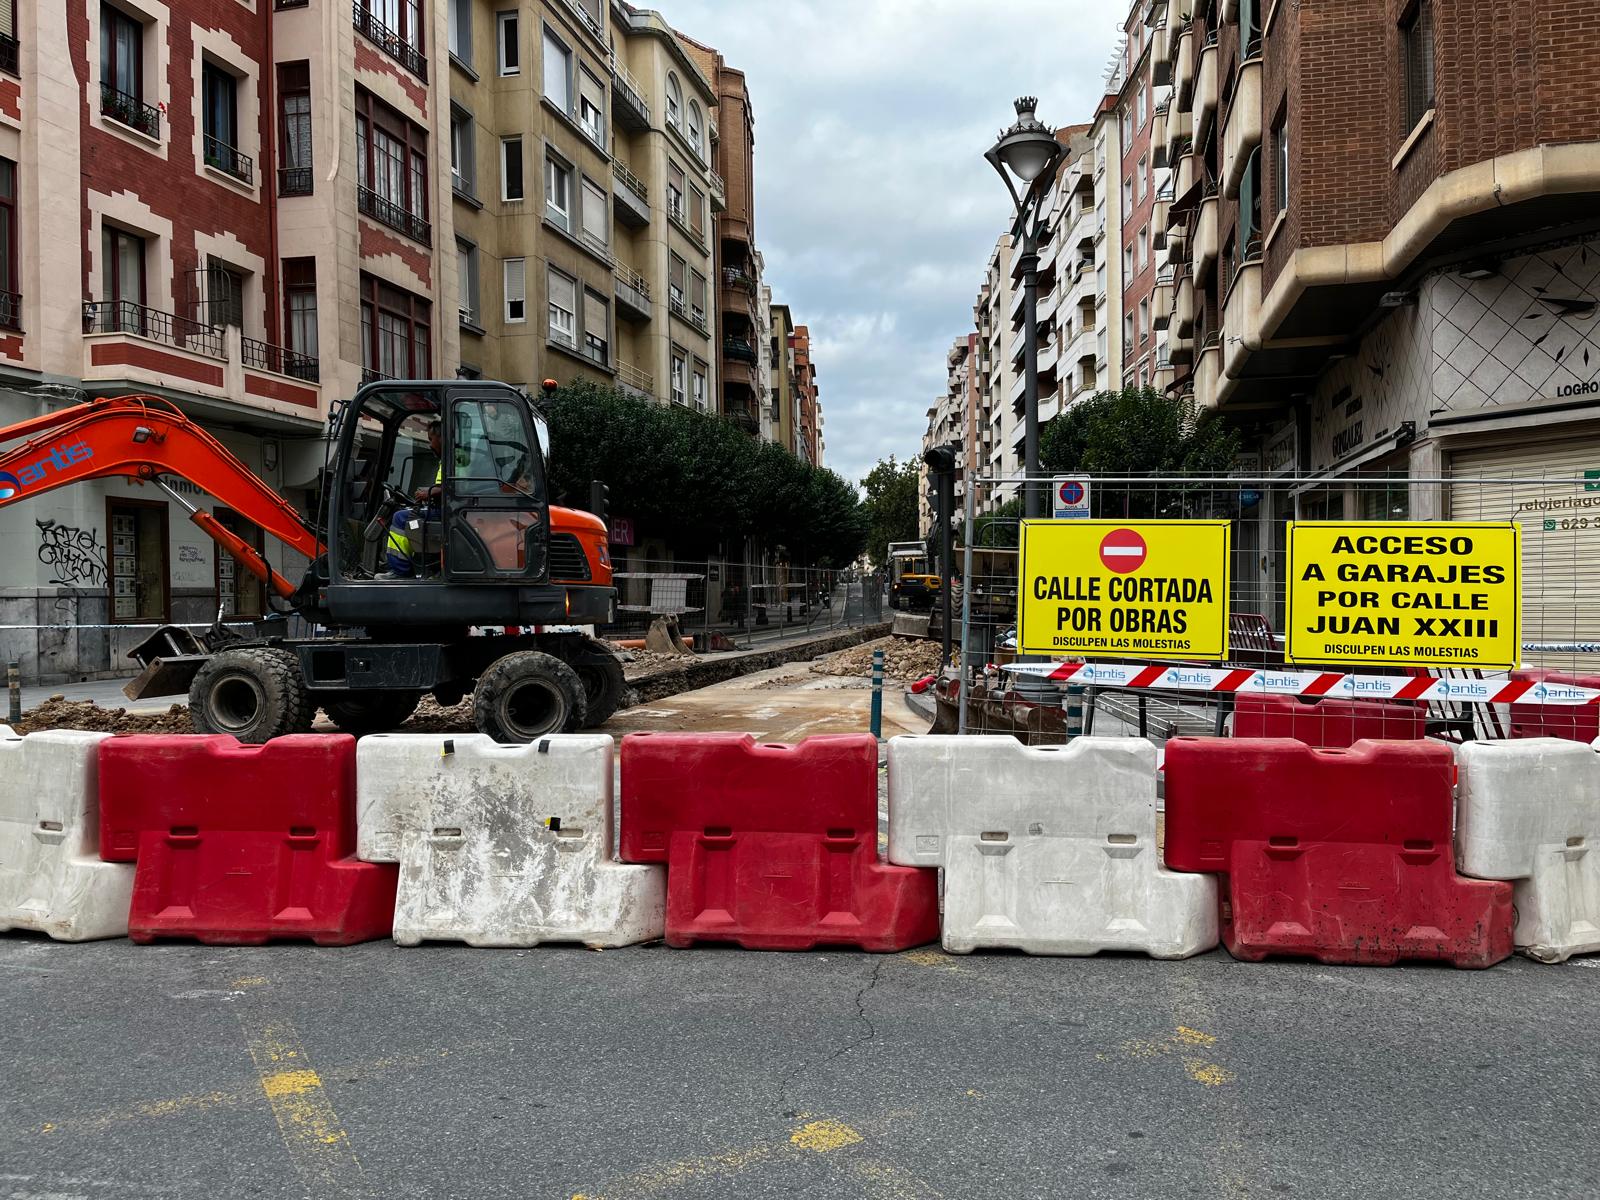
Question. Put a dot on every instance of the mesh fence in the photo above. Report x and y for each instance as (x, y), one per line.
(1557, 517)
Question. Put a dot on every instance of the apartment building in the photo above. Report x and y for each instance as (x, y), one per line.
(952, 418)
(999, 431)
(784, 396)
(1387, 251)
(807, 406)
(1140, 181)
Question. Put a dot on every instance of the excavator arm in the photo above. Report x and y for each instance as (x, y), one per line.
(145, 437)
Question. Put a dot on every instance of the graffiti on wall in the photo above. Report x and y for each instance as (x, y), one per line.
(75, 556)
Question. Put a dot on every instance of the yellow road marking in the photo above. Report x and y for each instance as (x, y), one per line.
(823, 1136)
(317, 1144)
(933, 958)
(1183, 1041)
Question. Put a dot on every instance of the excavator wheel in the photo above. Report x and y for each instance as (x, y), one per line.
(528, 695)
(255, 694)
(371, 712)
(604, 686)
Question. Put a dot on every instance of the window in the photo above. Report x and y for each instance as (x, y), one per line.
(596, 217)
(1128, 333)
(1100, 279)
(1143, 176)
(1122, 125)
(1144, 247)
(300, 305)
(1416, 62)
(697, 298)
(294, 129)
(461, 30)
(1141, 101)
(1280, 166)
(224, 295)
(1250, 205)
(10, 318)
(592, 108)
(121, 54)
(558, 193)
(699, 394)
(400, 18)
(239, 593)
(679, 370)
(122, 267)
(677, 284)
(563, 309)
(139, 574)
(507, 52)
(467, 281)
(676, 181)
(219, 120)
(1127, 197)
(1127, 264)
(463, 156)
(516, 284)
(395, 331)
(674, 101)
(1249, 26)
(391, 166)
(557, 73)
(596, 327)
(696, 128)
(1144, 321)
(697, 212)
(511, 186)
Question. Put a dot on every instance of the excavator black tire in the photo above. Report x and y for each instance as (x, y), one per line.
(604, 685)
(255, 694)
(371, 712)
(528, 695)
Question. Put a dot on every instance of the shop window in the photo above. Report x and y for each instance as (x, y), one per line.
(140, 575)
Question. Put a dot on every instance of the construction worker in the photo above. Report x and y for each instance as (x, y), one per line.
(398, 556)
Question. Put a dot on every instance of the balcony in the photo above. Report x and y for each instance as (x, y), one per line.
(1158, 133)
(1160, 58)
(169, 329)
(1241, 317)
(636, 382)
(391, 43)
(1183, 69)
(1188, 171)
(1183, 307)
(1162, 297)
(1180, 348)
(11, 311)
(9, 55)
(587, 19)
(1206, 237)
(738, 350)
(632, 196)
(263, 356)
(1241, 131)
(1158, 218)
(1208, 374)
(1206, 87)
(227, 159)
(719, 192)
(1180, 133)
(628, 105)
(130, 111)
(633, 295)
(388, 213)
(1177, 244)
(294, 181)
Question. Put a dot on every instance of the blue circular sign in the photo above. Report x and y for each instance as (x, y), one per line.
(1071, 492)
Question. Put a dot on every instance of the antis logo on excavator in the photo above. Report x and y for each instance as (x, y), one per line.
(57, 457)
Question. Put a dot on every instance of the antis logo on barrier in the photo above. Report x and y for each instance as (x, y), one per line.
(1446, 687)
(1200, 678)
(1088, 673)
(58, 457)
(1384, 686)
(1555, 691)
(1269, 680)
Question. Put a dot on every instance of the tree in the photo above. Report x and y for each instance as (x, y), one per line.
(891, 506)
(1140, 431)
(696, 480)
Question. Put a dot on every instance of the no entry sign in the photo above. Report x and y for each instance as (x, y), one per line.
(1113, 589)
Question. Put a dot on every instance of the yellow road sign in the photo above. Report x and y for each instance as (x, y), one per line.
(1406, 592)
(1124, 589)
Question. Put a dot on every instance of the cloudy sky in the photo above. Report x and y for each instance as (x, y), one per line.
(875, 210)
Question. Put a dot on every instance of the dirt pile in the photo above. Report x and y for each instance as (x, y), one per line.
(903, 658)
(60, 713)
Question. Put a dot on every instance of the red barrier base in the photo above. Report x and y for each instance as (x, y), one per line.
(1343, 856)
(770, 847)
(241, 845)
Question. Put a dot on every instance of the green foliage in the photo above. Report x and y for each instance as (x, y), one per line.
(697, 481)
(999, 528)
(1139, 431)
(891, 506)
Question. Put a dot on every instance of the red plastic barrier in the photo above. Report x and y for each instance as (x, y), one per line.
(1572, 722)
(772, 847)
(1339, 855)
(240, 845)
(1331, 724)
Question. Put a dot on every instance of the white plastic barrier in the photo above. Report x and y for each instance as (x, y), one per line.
(1529, 811)
(502, 845)
(1051, 850)
(51, 876)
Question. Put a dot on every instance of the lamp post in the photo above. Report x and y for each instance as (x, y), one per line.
(1029, 151)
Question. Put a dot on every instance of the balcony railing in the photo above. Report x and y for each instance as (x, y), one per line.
(264, 356)
(588, 18)
(130, 111)
(369, 375)
(629, 180)
(735, 278)
(11, 311)
(630, 92)
(9, 55)
(280, 5)
(390, 42)
(631, 376)
(386, 212)
(228, 159)
(294, 181)
(738, 350)
(124, 316)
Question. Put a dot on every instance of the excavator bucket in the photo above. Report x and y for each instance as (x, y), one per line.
(171, 656)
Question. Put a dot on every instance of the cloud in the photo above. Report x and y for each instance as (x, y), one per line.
(875, 209)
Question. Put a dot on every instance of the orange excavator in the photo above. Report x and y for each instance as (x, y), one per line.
(456, 468)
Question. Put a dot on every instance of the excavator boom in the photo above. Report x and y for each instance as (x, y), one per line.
(145, 437)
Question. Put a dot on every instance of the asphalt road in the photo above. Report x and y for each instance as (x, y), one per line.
(286, 1071)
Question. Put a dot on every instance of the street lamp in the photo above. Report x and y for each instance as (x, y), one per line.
(1029, 150)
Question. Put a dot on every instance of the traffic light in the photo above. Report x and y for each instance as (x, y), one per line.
(600, 501)
(941, 459)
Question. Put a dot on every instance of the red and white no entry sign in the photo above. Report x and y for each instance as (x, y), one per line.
(1122, 551)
